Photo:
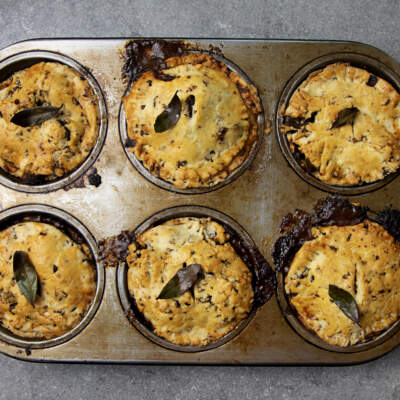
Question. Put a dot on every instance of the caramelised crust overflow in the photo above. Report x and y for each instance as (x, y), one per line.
(357, 255)
(217, 303)
(343, 123)
(216, 127)
(67, 281)
(52, 149)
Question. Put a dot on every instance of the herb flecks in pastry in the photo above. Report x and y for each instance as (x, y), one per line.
(346, 123)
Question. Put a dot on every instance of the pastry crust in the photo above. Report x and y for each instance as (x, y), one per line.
(362, 259)
(221, 300)
(364, 151)
(66, 275)
(205, 145)
(59, 145)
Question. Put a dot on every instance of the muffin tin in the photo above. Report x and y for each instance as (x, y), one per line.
(257, 200)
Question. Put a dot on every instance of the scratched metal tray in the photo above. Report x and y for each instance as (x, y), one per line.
(257, 200)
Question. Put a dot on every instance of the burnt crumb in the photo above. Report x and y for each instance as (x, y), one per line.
(372, 80)
(181, 163)
(130, 143)
(143, 106)
(67, 134)
(94, 178)
(221, 134)
(150, 55)
(333, 248)
(55, 268)
(12, 306)
(327, 212)
(28, 351)
(299, 123)
(189, 102)
(149, 82)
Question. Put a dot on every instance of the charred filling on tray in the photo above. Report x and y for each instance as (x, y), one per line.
(150, 55)
(327, 212)
(114, 250)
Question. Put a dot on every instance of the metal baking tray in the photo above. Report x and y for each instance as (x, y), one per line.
(257, 200)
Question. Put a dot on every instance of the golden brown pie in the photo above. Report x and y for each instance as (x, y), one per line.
(216, 128)
(218, 302)
(344, 125)
(58, 146)
(67, 281)
(364, 260)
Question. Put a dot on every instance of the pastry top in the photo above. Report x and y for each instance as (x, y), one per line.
(212, 137)
(362, 150)
(362, 259)
(220, 300)
(59, 145)
(67, 281)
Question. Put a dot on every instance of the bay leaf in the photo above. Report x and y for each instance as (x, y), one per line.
(170, 116)
(183, 280)
(26, 276)
(345, 117)
(34, 116)
(346, 302)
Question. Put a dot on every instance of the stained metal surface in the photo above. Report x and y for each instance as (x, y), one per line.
(257, 200)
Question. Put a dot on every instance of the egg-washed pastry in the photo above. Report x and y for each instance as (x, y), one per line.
(343, 124)
(219, 299)
(67, 281)
(53, 148)
(362, 259)
(216, 128)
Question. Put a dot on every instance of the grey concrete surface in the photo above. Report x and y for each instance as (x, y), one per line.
(373, 22)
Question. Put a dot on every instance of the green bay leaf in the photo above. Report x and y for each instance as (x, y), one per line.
(345, 117)
(183, 280)
(26, 276)
(34, 116)
(346, 302)
(170, 116)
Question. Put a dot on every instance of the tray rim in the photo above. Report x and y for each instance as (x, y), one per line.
(269, 40)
